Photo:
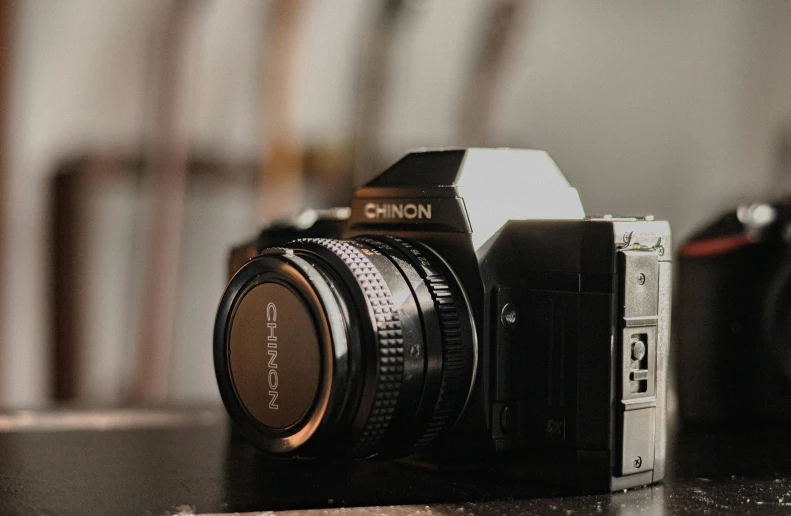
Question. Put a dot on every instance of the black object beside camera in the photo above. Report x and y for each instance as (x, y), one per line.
(471, 312)
(733, 324)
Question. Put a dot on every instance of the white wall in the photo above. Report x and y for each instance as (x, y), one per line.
(670, 108)
(647, 107)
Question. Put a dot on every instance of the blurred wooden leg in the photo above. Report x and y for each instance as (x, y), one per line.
(281, 183)
(483, 85)
(168, 177)
(6, 12)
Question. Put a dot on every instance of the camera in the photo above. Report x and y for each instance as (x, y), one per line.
(463, 309)
(734, 358)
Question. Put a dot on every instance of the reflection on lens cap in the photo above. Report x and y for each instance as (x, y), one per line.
(274, 355)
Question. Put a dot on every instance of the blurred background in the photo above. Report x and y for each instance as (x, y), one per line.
(142, 139)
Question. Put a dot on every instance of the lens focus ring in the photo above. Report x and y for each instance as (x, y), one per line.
(389, 337)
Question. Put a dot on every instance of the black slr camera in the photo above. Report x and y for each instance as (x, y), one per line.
(465, 310)
(734, 319)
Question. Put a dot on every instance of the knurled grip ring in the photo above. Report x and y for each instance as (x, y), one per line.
(389, 337)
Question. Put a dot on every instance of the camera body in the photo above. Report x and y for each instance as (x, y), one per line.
(733, 361)
(568, 316)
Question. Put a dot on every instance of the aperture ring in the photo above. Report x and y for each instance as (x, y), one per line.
(452, 390)
(389, 336)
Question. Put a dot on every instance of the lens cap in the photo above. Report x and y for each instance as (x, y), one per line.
(275, 360)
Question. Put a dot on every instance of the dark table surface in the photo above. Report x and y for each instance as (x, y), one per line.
(148, 461)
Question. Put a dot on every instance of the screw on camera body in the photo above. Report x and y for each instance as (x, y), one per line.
(509, 316)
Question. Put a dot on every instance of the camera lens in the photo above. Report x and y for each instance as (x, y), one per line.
(345, 348)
